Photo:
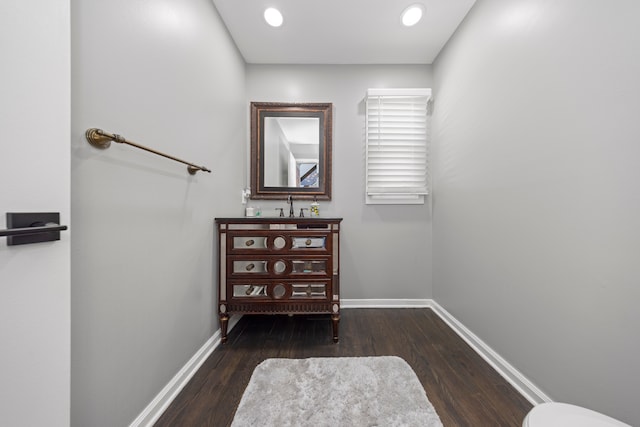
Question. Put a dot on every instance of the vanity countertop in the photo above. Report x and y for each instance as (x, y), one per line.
(284, 220)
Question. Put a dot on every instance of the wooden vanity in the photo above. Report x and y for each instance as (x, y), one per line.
(278, 266)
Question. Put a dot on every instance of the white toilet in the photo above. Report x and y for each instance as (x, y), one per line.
(555, 414)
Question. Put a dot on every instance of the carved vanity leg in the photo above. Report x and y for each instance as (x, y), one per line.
(335, 320)
(224, 322)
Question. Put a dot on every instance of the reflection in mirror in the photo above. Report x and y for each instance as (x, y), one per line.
(291, 150)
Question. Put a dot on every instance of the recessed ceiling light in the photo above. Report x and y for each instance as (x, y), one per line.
(273, 17)
(412, 15)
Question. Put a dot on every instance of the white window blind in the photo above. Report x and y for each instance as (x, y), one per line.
(397, 136)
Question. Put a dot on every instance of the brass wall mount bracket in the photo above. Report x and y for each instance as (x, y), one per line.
(97, 139)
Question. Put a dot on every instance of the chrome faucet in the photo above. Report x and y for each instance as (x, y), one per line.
(290, 203)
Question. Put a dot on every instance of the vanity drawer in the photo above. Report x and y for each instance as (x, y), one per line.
(309, 291)
(310, 266)
(247, 242)
(311, 242)
(248, 266)
(279, 241)
(270, 266)
(270, 290)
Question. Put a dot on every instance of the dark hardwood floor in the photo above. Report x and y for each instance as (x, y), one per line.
(462, 387)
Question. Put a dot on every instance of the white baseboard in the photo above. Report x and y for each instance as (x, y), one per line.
(526, 388)
(521, 383)
(159, 404)
(385, 303)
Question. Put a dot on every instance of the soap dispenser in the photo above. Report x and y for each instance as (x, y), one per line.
(315, 208)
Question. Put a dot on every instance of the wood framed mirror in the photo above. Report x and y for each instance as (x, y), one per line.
(291, 150)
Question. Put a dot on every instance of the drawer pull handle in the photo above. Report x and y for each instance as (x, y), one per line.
(249, 242)
(250, 267)
(309, 291)
(249, 290)
(308, 242)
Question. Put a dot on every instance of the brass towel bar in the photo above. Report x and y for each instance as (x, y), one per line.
(101, 139)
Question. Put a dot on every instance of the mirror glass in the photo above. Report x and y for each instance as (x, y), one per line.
(279, 267)
(279, 242)
(291, 150)
(279, 291)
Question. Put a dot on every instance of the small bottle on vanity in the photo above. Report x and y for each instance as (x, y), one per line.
(315, 208)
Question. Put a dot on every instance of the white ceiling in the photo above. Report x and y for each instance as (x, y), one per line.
(341, 31)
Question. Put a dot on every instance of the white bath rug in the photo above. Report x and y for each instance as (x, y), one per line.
(335, 391)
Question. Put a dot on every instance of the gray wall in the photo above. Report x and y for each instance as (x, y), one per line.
(385, 251)
(164, 74)
(534, 212)
(536, 200)
(34, 177)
